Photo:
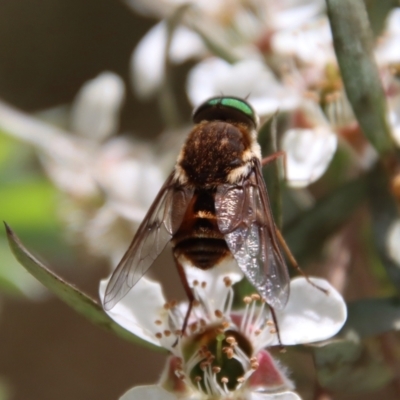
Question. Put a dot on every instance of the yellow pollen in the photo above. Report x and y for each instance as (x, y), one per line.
(195, 283)
(255, 296)
(240, 379)
(224, 379)
(231, 340)
(225, 324)
(254, 365)
(247, 300)
(158, 322)
(270, 323)
(272, 330)
(227, 281)
(203, 284)
(158, 335)
(197, 379)
(218, 313)
(216, 370)
(167, 333)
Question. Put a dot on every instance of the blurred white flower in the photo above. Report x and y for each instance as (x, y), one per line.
(222, 352)
(235, 26)
(308, 154)
(279, 14)
(392, 242)
(108, 185)
(157, 392)
(309, 145)
(394, 118)
(148, 59)
(250, 79)
(310, 43)
(95, 112)
(387, 51)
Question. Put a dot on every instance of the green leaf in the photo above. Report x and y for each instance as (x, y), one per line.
(14, 279)
(353, 41)
(371, 317)
(79, 301)
(349, 366)
(310, 229)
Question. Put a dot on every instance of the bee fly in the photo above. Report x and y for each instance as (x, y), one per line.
(213, 206)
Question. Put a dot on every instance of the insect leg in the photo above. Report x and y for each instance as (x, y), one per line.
(188, 292)
(272, 157)
(282, 348)
(293, 260)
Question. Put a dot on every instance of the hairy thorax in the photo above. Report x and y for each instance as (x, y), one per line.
(213, 152)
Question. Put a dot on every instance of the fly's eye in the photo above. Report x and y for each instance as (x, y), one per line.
(232, 109)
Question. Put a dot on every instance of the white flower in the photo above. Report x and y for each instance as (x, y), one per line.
(157, 392)
(308, 154)
(95, 112)
(250, 79)
(387, 51)
(238, 28)
(310, 43)
(309, 145)
(148, 59)
(392, 242)
(107, 186)
(222, 352)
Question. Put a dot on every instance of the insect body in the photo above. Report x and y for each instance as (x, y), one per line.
(213, 206)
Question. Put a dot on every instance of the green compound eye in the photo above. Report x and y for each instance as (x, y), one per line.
(231, 109)
(232, 102)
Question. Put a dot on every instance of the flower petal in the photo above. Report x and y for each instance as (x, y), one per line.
(148, 59)
(275, 396)
(308, 154)
(151, 392)
(310, 314)
(95, 112)
(139, 309)
(122, 160)
(311, 43)
(269, 376)
(392, 242)
(215, 291)
(387, 50)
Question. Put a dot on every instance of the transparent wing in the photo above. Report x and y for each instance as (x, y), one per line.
(161, 222)
(245, 219)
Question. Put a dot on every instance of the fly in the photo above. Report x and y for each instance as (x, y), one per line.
(213, 207)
